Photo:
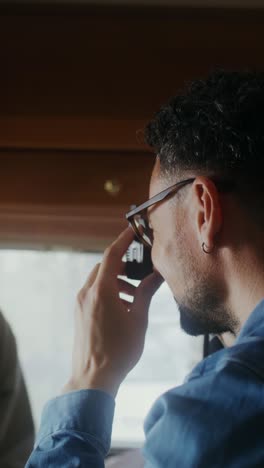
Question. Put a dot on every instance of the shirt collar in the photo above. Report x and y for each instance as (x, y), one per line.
(255, 322)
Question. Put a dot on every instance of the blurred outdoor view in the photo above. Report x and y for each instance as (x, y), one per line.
(37, 296)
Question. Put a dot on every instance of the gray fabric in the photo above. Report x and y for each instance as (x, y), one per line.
(16, 423)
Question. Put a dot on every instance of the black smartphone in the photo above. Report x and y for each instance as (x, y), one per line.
(138, 261)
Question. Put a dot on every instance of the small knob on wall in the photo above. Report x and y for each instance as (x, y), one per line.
(112, 187)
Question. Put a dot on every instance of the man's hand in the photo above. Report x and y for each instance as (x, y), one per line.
(109, 331)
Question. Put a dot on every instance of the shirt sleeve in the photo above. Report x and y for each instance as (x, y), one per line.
(75, 431)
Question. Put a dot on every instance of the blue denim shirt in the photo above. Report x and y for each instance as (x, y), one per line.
(215, 419)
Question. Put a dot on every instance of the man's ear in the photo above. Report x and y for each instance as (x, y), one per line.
(208, 211)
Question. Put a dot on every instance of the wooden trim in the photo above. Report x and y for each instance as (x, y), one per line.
(92, 228)
(73, 133)
(58, 198)
(76, 178)
(133, 10)
(155, 3)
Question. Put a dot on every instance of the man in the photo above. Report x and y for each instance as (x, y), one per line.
(205, 229)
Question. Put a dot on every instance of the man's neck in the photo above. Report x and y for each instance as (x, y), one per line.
(227, 339)
(244, 298)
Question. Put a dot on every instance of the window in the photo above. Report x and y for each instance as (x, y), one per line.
(37, 296)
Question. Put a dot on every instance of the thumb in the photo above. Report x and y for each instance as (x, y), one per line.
(145, 292)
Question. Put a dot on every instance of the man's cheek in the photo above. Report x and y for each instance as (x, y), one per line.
(160, 260)
(156, 258)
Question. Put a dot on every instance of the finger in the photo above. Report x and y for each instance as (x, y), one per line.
(127, 304)
(145, 292)
(112, 261)
(122, 269)
(92, 276)
(126, 287)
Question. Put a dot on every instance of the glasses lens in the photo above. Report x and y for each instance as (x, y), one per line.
(143, 230)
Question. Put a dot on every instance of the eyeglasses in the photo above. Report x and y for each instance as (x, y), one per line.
(138, 217)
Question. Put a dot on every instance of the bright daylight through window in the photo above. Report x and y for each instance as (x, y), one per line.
(37, 296)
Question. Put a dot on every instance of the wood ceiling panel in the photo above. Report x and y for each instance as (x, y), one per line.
(59, 198)
(73, 178)
(88, 78)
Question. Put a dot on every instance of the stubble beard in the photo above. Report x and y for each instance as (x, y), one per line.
(202, 310)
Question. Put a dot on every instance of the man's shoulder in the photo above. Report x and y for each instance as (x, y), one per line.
(223, 382)
(248, 353)
(218, 410)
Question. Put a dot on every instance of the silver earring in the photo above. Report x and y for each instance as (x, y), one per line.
(205, 249)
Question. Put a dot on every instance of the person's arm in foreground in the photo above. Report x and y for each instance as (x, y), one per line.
(109, 340)
(16, 423)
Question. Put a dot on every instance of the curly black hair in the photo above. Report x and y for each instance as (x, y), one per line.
(215, 127)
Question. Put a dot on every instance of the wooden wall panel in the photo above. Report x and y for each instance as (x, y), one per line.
(60, 198)
(87, 77)
(73, 178)
(51, 227)
(77, 85)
